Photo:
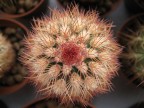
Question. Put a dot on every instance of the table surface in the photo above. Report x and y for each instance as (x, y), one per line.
(123, 95)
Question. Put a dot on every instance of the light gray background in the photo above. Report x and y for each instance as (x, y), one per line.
(123, 95)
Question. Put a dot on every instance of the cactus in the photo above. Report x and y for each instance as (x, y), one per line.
(134, 51)
(7, 55)
(71, 55)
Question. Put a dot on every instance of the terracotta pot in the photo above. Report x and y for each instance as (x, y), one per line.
(37, 11)
(33, 103)
(88, 5)
(12, 23)
(133, 6)
(130, 24)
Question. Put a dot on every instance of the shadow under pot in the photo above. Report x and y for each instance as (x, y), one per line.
(12, 72)
(104, 7)
(3, 104)
(134, 6)
(23, 8)
(138, 105)
(131, 36)
(54, 103)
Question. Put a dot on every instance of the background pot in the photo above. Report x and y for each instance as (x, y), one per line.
(133, 25)
(87, 5)
(37, 11)
(43, 100)
(12, 23)
(133, 6)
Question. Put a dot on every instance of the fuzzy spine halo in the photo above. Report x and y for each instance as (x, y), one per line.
(71, 55)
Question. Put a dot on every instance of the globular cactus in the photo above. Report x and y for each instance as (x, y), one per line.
(135, 52)
(71, 55)
(7, 55)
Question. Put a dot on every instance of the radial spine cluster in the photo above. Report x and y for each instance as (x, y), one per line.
(71, 55)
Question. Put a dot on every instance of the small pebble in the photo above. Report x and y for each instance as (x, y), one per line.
(23, 71)
(61, 106)
(52, 104)
(103, 10)
(18, 78)
(19, 36)
(10, 30)
(20, 51)
(19, 67)
(10, 9)
(71, 106)
(10, 80)
(21, 2)
(28, 4)
(35, 3)
(16, 46)
(21, 10)
(2, 82)
(13, 39)
(14, 70)
(109, 3)
(20, 31)
(41, 105)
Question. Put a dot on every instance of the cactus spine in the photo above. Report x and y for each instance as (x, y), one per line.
(71, 55)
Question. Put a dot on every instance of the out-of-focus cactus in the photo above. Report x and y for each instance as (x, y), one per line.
(7, 55)
(135, 52)
(71, 55)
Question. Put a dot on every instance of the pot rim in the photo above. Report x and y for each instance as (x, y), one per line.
(16, 23)
(11, 89)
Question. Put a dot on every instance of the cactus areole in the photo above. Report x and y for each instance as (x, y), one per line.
(71, 55)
